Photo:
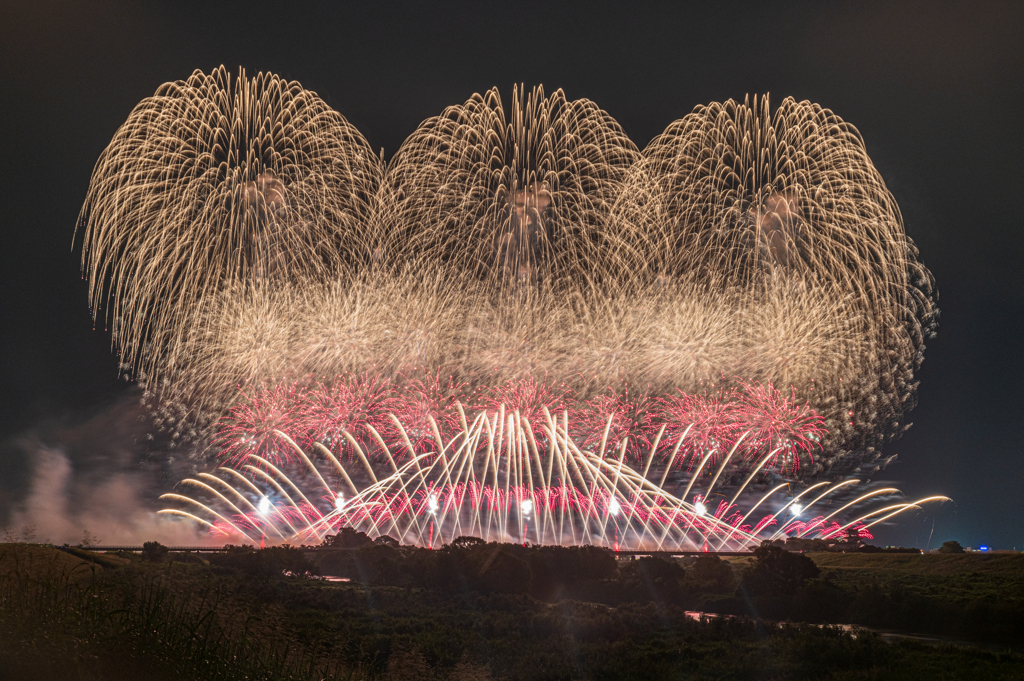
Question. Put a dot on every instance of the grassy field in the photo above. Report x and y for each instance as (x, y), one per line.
(33, 561)
(1009, 566)
(90, 616)
(960, 578)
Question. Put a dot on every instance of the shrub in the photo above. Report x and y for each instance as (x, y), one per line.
(710, 574)
(561, 570)
(275, 561)
(378, 564)
(154, 551)
(653, 579)
(487, 568)
(347, 538)
(777, 572)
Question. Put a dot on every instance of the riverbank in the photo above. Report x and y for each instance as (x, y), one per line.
(238, 616)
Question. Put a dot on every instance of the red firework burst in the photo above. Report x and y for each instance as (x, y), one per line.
(250, 429)
(632, 419)
(708, 421)
(350, 404)
(529, 398)
(416, 403)
(776, 422)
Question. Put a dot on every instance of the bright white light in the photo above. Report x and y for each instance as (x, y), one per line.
(526, 506)
(702, 510)
(339, 503)
(614, 507)
(432, 503)
(796, 508)
(264, 506)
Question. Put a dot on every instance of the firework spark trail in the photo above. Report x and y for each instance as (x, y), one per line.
(493, 484)
(516, 196)
(213, 180)
(245, 240)
(392, 327)
(432, 308)
(760, 198)
(417, 417)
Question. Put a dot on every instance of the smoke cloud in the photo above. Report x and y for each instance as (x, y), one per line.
(92, 479)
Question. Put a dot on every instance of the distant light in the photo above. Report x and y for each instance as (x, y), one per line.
(432, 503)
(795, 509)
(983, 548)
(264, 507)
(339, 503)
(701, 509)
(526, 506)
(614, 507)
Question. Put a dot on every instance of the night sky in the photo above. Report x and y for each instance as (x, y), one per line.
(936, 89)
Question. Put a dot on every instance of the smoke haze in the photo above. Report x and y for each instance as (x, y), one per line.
(91, 475)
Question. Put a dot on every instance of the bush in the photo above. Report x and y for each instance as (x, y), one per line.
(154, 551)
(951, 547)
(486, 568)
(561, 570)
(378, 564)
(274, 561)
(347, 538)
(819, 600)
(653, 579)
(710, 574)
(777, 572)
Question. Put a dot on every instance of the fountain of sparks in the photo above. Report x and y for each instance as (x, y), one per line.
(501, 480)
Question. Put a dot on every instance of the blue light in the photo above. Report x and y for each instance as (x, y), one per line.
(983, 548)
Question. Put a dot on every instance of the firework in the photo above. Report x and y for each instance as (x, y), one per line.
(427, 414)
(530, 399)
(492, 481)
(418, 416)
(777, 423)
(613, 422)
(755, 200)
(742, 286)
(517, 197)
(705, 424)
(216, 180)
(252, 428)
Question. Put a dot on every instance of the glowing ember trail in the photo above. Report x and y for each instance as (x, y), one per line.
(520, 327)
(499, 479)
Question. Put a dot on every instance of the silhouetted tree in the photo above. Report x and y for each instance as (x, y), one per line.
(347, 538)
(88, 539)
(777, 572)
(562, 569)
(711, 574)
(653, 579)
(379, 564)
(154, 551)
(466, 542)
(501, 571)
(274, 561)
(951, 547)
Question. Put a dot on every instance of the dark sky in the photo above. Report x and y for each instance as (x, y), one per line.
(936, 89)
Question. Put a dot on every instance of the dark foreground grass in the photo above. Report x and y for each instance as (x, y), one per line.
(977, 597)
(55, 623)
(1006, 565)
(196, 621)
